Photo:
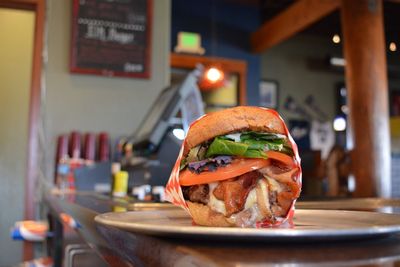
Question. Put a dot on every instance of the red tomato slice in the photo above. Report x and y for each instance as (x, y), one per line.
(236, 168)
(288, 160)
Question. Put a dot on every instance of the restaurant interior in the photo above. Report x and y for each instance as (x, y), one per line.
(97, 97)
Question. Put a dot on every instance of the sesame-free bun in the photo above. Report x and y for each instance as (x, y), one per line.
(232, 120)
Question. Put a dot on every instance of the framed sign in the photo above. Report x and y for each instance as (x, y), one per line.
(268, 92)
(111, 37)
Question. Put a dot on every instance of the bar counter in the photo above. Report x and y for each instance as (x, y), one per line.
(122, 248)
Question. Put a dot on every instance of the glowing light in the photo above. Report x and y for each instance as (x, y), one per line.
(213, 74)
(343, 92)
(344, 109)
(393, 47)
(213, 78)
(351, 183)
(336, 39)
(179, 133)
(337, 61)
(339, 124)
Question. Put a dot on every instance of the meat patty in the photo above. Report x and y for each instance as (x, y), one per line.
(196, 193)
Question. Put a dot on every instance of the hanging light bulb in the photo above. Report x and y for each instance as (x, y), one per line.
(392, 46)
(213, 78)
(336, 39)
(214, 74)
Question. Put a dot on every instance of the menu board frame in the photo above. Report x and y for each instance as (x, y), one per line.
(101, 42)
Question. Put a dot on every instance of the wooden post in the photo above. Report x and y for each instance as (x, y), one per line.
(366, 80)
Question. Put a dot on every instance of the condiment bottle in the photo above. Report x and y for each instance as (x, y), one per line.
(120, 186)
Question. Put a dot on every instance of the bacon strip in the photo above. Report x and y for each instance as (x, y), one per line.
(234, 191)
(291, 190)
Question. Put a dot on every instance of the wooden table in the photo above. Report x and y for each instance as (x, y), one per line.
(121, 248)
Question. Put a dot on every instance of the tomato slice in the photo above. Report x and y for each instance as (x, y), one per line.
(286, 159)
(235, 168)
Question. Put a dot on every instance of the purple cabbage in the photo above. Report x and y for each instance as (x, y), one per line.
(210, 164)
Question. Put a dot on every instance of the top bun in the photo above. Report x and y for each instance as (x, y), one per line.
(232, 120)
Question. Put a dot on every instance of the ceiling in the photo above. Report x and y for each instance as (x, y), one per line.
(331, 23)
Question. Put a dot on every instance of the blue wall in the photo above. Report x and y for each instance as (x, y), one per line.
(231, 28)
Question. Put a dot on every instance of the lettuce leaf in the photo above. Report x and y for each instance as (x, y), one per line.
(253, 153)
(267, 141)
(263, 136)
(263, 145)
(222, 146)
(251, 145)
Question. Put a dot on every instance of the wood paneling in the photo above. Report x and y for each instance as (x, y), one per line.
(366, 80)
(294, 19)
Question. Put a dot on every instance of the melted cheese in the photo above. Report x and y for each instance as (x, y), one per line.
(251, 210)
(264, 204)
(214, 203)
(273, 184)
(246, 218)
(251, 199)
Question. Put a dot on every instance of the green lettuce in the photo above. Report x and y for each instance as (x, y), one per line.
(222, 146)
(251, 145)
(263, 136)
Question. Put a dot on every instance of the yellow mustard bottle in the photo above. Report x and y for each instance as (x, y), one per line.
(120, 187)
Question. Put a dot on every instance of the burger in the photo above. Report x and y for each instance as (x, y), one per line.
(237, 167)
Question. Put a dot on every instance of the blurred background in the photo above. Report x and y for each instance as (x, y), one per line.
(292, 56)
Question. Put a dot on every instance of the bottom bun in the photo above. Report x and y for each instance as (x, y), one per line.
(203, 215)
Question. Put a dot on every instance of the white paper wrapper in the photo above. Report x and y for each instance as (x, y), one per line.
(173, 191)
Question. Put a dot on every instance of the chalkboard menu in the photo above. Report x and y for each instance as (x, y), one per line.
(111, 37)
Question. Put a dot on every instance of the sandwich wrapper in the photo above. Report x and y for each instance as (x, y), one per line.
(173, 191)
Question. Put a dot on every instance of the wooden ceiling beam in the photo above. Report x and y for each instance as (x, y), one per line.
(292, 20)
